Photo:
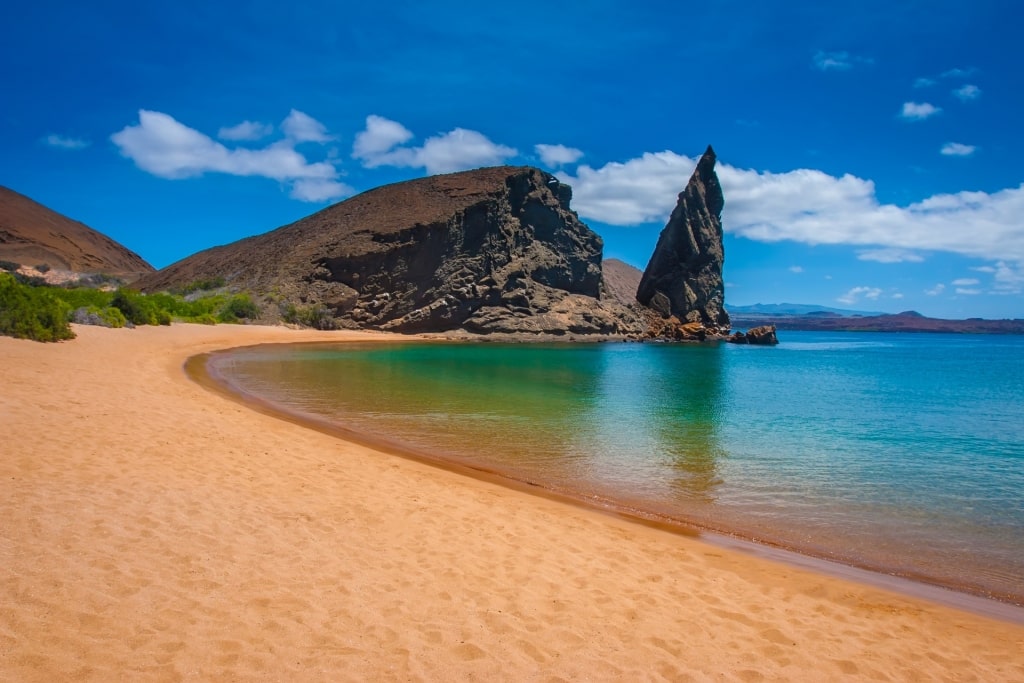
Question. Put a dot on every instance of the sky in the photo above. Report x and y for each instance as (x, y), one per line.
(869, 152)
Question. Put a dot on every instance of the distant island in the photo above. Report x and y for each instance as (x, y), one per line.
(822, 318)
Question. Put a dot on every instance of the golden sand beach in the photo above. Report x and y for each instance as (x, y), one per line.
(151, 529)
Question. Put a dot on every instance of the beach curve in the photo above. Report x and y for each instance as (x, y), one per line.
(154, 530)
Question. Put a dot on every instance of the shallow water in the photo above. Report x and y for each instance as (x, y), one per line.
(903, 453)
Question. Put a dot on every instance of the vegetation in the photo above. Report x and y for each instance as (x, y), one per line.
(200, 286)
(9, 266)
(28, 312)
(31, 309)
(315, 316)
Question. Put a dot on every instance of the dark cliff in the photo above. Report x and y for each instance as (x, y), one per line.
(684, 276)
(495, 250)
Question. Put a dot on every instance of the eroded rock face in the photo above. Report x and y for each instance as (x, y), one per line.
(684, 276)
(491, 250)
(757, 336)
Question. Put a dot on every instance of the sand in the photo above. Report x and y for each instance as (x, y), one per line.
(151, 529)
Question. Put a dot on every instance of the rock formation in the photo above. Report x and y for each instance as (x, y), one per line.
(31, 234)
(757, 336)
(684, 276)
(495, 250)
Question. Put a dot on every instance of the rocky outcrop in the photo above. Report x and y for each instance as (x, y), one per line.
(32, 234)
(495, 250)
(758, 336)
(684, 276)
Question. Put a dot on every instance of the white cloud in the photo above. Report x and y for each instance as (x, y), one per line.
(958, 73)
(557, 155)
(246, 130)
(160, 145)
(380, 137)
(796, 269)
(924, 82)
(855, 294)
(956, 149)
(1009, 278)
(456, 150)
(319, 190)
(301, 127)
(918, 111)
(897, 295)
(966, 282)
(968, 292)
(889, 255)
(967, 93)
(809, 207)
(936, 290)
(838, 61)
(64, 142)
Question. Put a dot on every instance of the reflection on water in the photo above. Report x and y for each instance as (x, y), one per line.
(900, 452)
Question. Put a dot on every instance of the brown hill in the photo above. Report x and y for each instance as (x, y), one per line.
(31, 234)
(908, 321)
(490, 250)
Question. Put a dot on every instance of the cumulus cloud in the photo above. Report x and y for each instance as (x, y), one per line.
(246, 130)
(956, 149)
(889, 255)
(1008, 278)
(966, 282)
(301, 127)
(967, 93)
(968, 292)
(959, 73)
(456, 150)
(557, 155)
(64, 142)
(809, 207)
(838, 61)
(936, 290)
(924, 82)
(161, 145)
(918, 111)
(380, 136)
(855, 295)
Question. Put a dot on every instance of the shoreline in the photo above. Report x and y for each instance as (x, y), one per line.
(156, 531)
(922, 587)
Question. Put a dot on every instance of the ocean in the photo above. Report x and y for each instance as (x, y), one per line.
(898, 453)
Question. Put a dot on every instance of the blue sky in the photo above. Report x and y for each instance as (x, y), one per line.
(869, 151)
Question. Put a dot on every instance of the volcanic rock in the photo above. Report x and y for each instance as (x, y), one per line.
(31, 234)
(684, 276)
(495, 250)
(758, 336)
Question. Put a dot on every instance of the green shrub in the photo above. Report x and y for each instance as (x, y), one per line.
(30, 312)
(315, 316)
(239, 307)
(140, 309)
(104, 317)
(200, 285)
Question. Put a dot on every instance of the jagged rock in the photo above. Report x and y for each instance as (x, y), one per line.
(759, 336)
(684, 276)
(495, 250)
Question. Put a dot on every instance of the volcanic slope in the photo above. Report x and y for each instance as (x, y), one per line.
(494, 250)
(32, 234)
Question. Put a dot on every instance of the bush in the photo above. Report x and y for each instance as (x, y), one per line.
(140, 309)
(200, 285)
(32, 313)
(315, 316)
(9, 266)
(104, 317)
(239, 307)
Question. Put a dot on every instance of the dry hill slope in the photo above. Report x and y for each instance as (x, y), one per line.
(31, 234)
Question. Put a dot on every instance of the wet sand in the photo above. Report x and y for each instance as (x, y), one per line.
(153, 530)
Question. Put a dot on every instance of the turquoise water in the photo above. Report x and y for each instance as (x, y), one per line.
(902, 453)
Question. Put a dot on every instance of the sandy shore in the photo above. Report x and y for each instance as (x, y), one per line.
(153, 530)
